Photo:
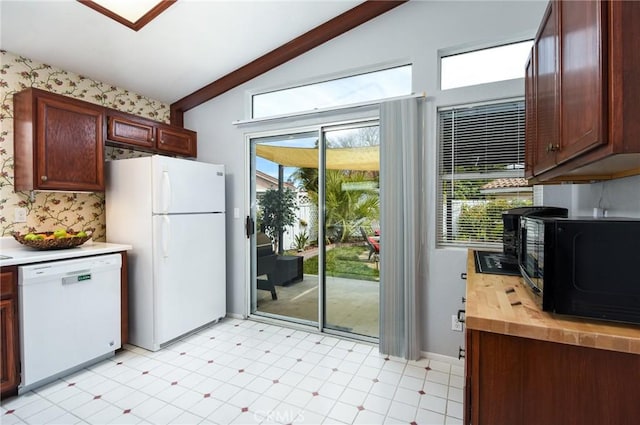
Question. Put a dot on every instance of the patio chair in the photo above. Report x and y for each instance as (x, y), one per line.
(266, 264)
(374, 246)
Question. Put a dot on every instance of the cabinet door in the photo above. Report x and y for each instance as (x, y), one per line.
(130, 130)
(69, 145)
(530, 115)
(546, 86)
(177, 140)
(9, 376)
(582, 68)
(497, 375)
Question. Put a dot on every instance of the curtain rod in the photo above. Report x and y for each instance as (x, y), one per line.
(322, 110)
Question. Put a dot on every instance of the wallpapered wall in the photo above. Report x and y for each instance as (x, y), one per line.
(52, 210)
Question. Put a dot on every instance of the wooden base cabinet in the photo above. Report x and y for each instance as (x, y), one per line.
(10, 346)
(584, 88)
(513, 380)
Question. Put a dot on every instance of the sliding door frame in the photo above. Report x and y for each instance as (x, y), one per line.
(286, 128)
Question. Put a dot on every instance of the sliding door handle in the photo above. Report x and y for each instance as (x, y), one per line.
(249, 227)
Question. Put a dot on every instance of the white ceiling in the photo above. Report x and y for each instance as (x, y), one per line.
(189, 45)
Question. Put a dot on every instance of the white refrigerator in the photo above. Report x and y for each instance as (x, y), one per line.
(172, 211)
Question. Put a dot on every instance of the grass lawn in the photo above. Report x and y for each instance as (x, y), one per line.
(345, 261)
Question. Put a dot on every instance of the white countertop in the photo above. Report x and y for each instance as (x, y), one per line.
(21, 254)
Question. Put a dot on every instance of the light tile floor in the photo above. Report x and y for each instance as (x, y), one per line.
(246, 372)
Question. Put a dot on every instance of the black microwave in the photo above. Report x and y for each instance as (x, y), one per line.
(511, 225)
(585, 267)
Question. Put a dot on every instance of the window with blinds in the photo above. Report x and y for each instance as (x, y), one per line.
(480, 169)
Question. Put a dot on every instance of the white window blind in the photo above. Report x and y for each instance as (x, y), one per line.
(481, 169)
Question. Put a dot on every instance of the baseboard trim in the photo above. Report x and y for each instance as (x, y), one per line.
(442, 358)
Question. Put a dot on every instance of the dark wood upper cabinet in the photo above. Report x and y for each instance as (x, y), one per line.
(131, 131)
(58, 143)
(587, 92)
(177, 140)
(545, 102)
(583, 88)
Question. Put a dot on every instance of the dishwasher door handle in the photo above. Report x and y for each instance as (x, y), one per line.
(77, 277)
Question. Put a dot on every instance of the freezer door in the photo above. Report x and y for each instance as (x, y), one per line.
(189, 273)
(185, 186)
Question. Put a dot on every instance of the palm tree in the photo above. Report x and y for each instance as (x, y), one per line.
(349, 205)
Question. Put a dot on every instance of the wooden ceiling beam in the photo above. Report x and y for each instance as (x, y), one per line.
(321, 34)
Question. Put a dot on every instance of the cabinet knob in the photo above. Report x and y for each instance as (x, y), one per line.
(43, 178)
(552, 148)
(153, 139)
(161, 140)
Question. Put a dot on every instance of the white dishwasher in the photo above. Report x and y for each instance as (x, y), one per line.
(69, 316)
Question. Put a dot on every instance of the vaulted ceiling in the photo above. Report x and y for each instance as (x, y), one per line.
(186, 47)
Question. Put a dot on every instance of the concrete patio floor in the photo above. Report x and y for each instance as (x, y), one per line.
(352, 305)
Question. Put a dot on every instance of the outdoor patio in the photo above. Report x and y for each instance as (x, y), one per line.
(352, 304)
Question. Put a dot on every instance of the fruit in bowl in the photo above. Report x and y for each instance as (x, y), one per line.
(58, 239)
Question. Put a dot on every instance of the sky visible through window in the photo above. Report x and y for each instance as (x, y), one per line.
(298, 141)
(484, 66)
(371, 86)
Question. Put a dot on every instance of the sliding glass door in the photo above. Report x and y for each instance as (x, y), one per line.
(315, 205)
(352, 229)
(286, 227)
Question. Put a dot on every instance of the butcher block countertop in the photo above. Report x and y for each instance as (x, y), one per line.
(504, 305)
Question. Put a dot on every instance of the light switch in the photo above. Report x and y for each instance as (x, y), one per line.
(20, 215)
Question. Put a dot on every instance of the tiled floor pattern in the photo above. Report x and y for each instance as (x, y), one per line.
(246, 372)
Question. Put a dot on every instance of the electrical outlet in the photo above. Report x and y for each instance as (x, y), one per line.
(20, 215)
(456, 325)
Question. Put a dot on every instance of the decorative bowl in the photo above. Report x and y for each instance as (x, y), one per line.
(51, 243)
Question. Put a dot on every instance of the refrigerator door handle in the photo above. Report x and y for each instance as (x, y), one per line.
(166, 235)
(166, 191)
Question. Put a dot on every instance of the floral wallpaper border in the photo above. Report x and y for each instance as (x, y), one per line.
(52, 210)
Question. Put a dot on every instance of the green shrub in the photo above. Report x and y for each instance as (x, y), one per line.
(483, 222)
(344, 261)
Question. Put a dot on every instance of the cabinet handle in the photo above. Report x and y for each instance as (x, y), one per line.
(43, 178)
(552, 148)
